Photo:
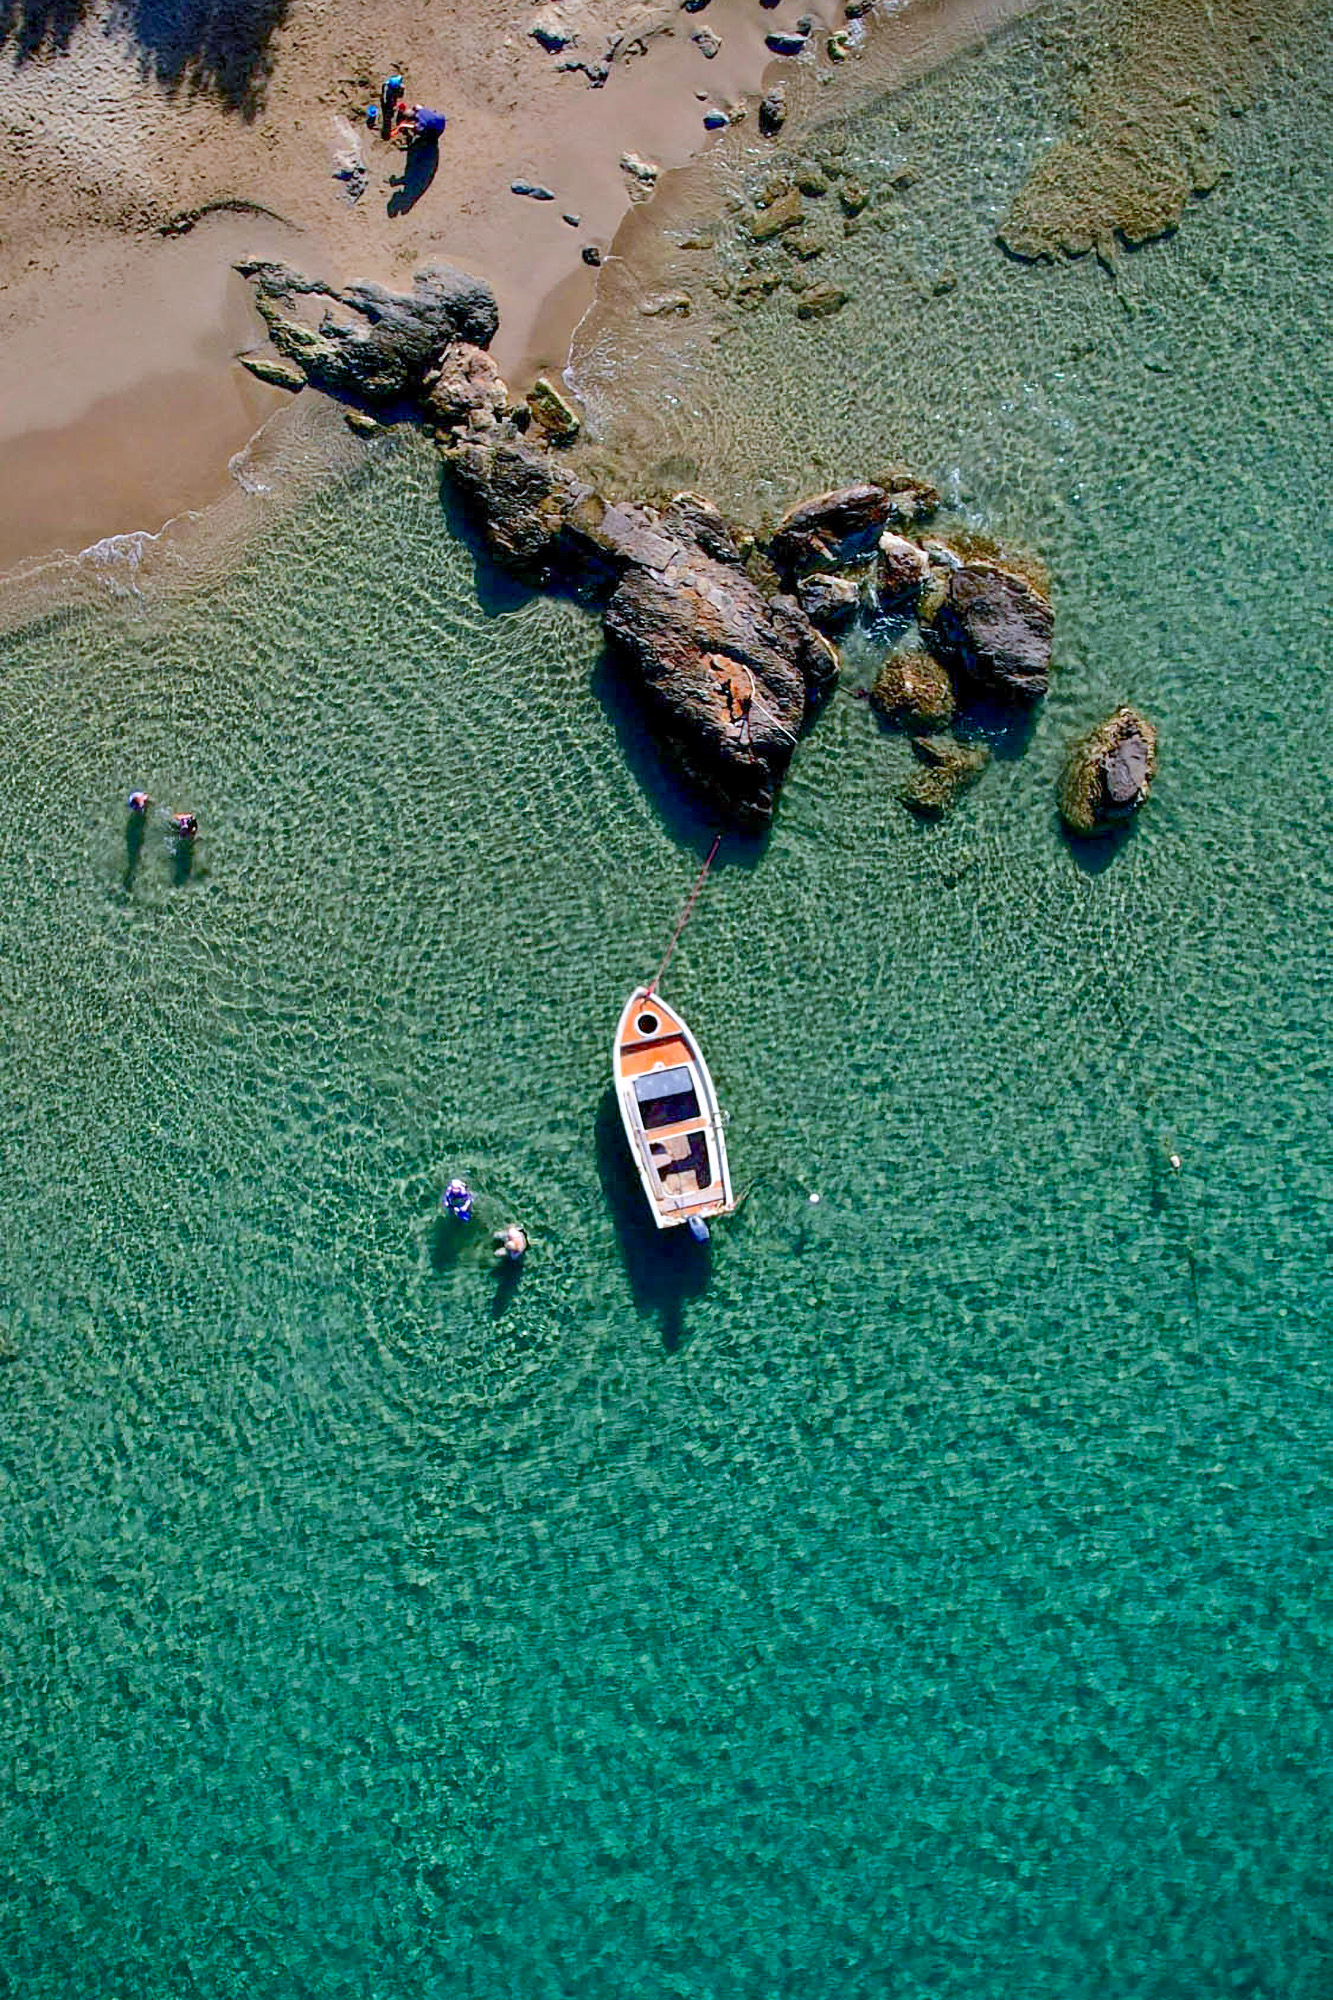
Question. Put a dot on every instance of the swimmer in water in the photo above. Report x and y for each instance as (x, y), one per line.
(457, 1201)
(511, 1243)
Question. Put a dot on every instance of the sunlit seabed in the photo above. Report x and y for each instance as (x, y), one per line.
(927, 1595)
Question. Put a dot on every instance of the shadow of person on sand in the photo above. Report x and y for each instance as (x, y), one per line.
(419, 170)
(665, 1267)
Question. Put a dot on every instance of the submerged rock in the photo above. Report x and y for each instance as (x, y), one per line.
(666, 305)
(912, 691)
(1108, 773)
(369, 343)
(770, 220)
(945, 771)
(755, 287)
(821, 301)
(995, 628)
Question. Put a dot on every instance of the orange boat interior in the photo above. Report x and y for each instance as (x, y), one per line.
(673, 1124)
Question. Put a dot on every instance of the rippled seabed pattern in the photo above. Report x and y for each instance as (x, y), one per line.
(929, 1595)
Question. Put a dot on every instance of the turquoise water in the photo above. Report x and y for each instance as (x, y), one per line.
(926, 1593)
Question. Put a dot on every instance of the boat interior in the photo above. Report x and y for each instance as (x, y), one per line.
(682, 1163)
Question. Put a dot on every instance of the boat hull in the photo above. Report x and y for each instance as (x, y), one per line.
(669, 1109)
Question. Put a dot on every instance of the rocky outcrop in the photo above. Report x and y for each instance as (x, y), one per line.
(995, 628)
(911, 501)
(367, 343)
(912, 691)
(465, 390)
(728, 674)
(524, 502)
(773, 111)
(1108, 773)
(553, 412)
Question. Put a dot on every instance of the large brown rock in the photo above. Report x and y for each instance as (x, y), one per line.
(995, 628)
(728, 675)
(830, 602)
(1108, 773)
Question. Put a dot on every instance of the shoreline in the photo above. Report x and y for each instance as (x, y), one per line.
(126, 404)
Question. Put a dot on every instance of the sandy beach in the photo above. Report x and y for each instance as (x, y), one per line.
(120, 316)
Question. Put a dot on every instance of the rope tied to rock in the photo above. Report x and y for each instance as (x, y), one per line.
(693, 898)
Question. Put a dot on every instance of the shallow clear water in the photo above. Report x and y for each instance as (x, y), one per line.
(926, 1594)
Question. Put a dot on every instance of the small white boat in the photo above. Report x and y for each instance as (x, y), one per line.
(671, 1116)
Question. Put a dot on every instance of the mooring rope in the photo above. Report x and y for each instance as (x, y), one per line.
(656, 979)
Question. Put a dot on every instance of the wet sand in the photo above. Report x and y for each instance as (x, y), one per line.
(121, 402)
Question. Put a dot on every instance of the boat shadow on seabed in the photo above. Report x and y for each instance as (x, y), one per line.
(666, 1267)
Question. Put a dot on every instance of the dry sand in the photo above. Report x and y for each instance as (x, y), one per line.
(120, 399)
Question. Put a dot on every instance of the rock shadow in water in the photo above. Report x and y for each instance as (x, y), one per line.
(1092, 854)
(1007, 728)
(498, 590)
(666, 1267)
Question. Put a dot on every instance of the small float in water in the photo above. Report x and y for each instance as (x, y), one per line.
(670, 1112)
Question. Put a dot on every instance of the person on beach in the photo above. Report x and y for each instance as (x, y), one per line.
(391, 103)
(511, 1243)
(417, 126)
